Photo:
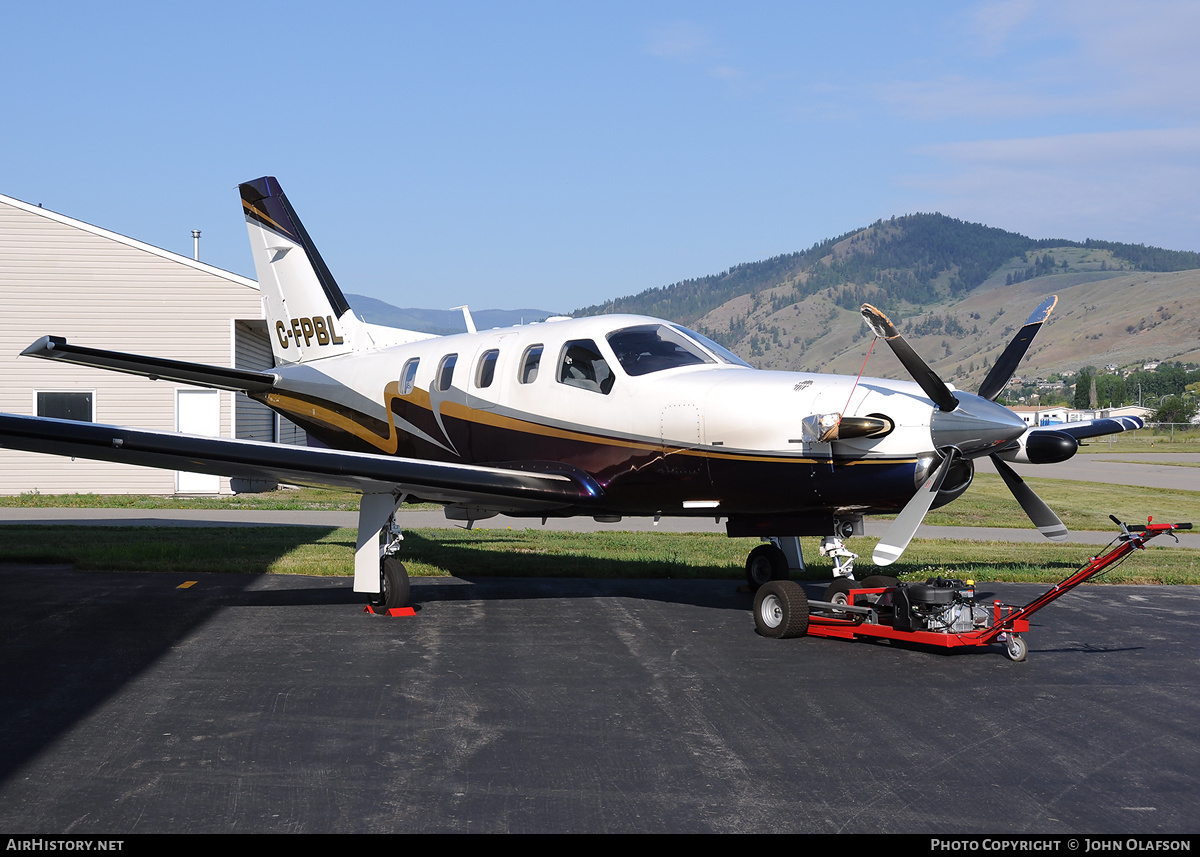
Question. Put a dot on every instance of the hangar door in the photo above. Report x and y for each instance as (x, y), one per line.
(198, 412)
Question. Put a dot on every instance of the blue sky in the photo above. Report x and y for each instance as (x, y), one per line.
(553, 155)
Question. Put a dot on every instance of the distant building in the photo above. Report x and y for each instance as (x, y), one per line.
(96, 288)
(1046, 416)
(1042, 416)
(1105, 413)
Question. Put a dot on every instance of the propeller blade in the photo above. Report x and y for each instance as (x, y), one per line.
(1048, 523)
(935, 388)
(900, 533)
(1004, 368)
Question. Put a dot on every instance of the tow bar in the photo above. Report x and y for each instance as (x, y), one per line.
(940, 612)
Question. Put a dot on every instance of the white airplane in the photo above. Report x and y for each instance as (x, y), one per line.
(610, 416)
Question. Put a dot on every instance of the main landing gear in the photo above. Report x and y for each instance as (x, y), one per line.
(766, 562)
(378, 570)
(393, 585)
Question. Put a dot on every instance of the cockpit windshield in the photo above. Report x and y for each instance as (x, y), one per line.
(650, 348)
(723, 353)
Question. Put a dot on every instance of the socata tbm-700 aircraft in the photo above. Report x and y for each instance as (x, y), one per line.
(610, 416)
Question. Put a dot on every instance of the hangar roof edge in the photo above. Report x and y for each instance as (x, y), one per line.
(130, 242)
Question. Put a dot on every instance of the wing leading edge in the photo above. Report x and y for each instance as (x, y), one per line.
(218, 377)
(499, 488)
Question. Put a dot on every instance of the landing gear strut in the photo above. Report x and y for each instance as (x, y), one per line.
(843, 558)
(377, 568)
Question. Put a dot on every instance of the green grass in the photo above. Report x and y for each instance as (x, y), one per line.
(289, 499)
(1144, 440)
(539, 553)
(1080, 505)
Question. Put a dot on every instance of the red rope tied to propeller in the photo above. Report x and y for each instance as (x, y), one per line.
(857, 379)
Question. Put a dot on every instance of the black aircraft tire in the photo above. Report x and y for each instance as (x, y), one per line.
(875, 581)
(765, 563)
(781, 610)
(838, 593)
(393, 585)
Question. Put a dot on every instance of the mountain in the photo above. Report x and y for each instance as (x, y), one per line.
(956, 290)
(439, 321)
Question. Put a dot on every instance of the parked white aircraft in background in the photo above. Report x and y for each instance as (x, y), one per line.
(608, 416)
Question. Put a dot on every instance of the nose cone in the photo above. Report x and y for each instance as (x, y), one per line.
(976, 427)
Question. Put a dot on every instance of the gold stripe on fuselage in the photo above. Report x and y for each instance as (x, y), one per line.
(420, 398)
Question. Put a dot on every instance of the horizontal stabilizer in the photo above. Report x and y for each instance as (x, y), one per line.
(155, 368)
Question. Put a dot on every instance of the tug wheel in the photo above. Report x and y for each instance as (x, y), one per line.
(393, 585)
(781, 610)
(1015, 647)
(765, 563)
(838, 593)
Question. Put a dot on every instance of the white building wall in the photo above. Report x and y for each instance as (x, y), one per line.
(59, 276)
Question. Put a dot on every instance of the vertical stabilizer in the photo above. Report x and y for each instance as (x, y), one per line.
(307, 314)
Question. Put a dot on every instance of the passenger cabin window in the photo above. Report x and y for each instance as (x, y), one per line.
(582, 366)
(66, 406)
(654, 347)
(408, 376)
(530, 361)
(445, 375)
(486, 371)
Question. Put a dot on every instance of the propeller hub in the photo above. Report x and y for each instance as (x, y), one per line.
(976, 427)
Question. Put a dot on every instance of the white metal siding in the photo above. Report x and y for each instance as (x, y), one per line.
(104, 291)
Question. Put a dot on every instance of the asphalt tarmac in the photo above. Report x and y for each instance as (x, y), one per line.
(274, 704)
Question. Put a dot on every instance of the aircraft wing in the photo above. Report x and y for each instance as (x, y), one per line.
(1094, 428)
(218, 377)
(504, 489)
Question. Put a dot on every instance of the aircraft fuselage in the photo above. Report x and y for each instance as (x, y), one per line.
(704, 437)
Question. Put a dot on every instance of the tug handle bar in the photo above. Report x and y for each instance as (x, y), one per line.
(1141, 528)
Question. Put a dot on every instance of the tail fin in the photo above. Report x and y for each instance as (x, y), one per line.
(307, 313)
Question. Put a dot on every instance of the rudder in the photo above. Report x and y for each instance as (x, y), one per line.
(308, 316)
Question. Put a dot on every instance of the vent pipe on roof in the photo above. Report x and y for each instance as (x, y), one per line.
(196, 244)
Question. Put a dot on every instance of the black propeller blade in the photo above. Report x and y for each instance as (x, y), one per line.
(1048, 523)
(1004, 368)
(973, 424)
(935, 388)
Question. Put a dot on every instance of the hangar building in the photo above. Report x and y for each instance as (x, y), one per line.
(64, 277)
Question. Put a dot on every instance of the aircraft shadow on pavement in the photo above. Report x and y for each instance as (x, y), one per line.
(72, 639)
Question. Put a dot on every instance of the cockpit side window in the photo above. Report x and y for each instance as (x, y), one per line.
(654, 347)
(487, 368)
(582, 366)
(408, 376)
(445, 375)
(530, 361)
